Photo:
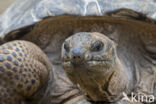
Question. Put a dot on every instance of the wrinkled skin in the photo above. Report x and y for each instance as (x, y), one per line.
(90, 60)
(132, 32)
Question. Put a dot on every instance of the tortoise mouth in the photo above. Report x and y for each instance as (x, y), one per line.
(98, 62)
(89, 63)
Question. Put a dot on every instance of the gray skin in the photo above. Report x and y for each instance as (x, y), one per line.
(132, 32)
(90, 60)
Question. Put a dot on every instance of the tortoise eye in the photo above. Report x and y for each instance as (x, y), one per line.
(66, 46)
(97, 46)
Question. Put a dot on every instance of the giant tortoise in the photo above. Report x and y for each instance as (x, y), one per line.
(78, 52)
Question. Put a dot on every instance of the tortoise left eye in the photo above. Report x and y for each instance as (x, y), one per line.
(97, 46)
(66, 46)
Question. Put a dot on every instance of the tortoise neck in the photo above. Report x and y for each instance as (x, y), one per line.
(113, 84)
(118, 81)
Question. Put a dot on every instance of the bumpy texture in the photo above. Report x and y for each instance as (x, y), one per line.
(24, 70)
(92, 61)
(133, 33)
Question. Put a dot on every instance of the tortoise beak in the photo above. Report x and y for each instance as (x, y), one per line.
(77, 56)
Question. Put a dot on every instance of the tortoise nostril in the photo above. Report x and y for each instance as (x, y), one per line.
(77, 54)
(76, 57)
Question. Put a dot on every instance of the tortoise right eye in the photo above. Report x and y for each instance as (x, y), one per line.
(66, 46)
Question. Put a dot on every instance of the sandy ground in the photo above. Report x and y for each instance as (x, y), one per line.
(5, 4)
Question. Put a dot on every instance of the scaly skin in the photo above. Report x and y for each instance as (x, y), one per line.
(90, 60)
(24, 69)
(133, 32)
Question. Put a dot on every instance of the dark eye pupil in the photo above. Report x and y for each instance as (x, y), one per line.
(97, 46)
(66, 46)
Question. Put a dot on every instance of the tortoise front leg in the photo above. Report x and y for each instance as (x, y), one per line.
(24, 71)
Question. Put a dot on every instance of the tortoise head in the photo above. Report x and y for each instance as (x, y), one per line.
(89, 59)
(88, 51)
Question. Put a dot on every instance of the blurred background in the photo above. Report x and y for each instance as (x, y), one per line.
(5, 4)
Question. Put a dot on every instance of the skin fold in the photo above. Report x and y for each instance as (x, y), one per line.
(134, 39)
(90, 60)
